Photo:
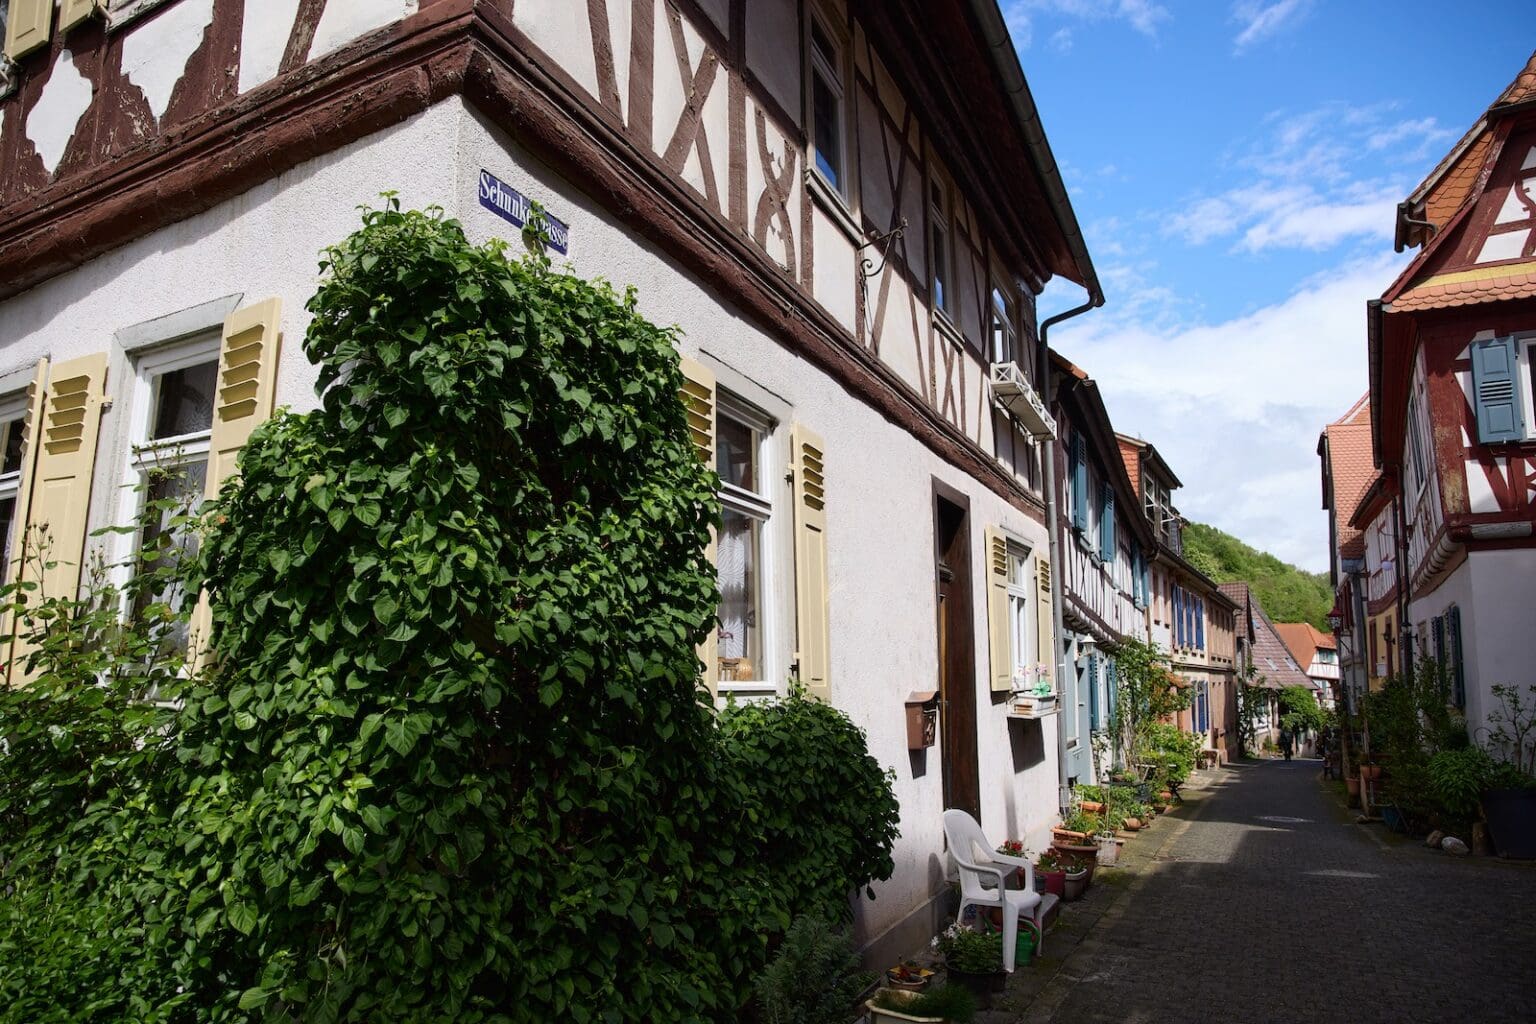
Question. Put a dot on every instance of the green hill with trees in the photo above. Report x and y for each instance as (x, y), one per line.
(1287, 594)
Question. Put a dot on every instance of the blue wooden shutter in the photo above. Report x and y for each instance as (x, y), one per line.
(1494, 372)
(1458, 669)
(1079, 483)
(1107, 523)
(1146, 582)
(1178, 616)
(1200, 624)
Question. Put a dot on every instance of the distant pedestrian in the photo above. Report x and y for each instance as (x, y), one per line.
(1287, 742)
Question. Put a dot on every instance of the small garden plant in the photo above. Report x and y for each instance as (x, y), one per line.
(945, 1002)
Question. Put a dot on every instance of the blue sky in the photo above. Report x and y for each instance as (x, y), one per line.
(1235, 167)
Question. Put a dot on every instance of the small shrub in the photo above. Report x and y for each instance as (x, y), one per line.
(814, 979)
(1457, 778)
(949, 1002)
(970, 951)
(825, 810)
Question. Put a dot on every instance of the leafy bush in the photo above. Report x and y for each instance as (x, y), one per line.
(814, 979)
(1457, 778)
(824, 810)
(1169, 749)
(1299, 710)
(453, 762)
(970, 951)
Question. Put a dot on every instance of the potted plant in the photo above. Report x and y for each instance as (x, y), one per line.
(944, 1004)
(973, 960)
(1052, 873)
(1076, 882)
(1014, 848)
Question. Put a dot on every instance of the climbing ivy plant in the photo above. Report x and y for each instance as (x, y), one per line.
(451, 761)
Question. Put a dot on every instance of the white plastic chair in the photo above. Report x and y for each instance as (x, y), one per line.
(982, 875)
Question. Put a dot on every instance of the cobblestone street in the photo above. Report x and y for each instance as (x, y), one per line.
(1269, 904)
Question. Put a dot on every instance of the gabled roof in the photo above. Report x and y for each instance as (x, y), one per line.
(1446, 189)
(1148, 452)
(1304, 640)
(1271, 658)
(1352, 467)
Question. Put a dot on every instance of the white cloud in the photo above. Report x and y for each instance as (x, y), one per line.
(1143, 16)
(1262, 21)
(1236, 406)
(1300, 185)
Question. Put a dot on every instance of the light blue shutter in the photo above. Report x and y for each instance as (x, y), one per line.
(1494, 373)
(1146, 582)
(1107, 525)
(1079, 483)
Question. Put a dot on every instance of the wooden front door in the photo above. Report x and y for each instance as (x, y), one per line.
(957, 657)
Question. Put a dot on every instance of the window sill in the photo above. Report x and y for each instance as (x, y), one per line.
(122, 13)
(833, 205)
(945, 326)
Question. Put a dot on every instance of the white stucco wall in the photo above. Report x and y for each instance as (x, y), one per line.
(1495, 591)
(880, 519)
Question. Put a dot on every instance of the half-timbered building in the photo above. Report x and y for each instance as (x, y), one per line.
(848, 209)
(1453, 406)
(1363, 607)
(1187, 615)
(1104, 540)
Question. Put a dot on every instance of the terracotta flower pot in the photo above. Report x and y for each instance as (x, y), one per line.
(1092, 807)
(1370, 772)
(1352, 784)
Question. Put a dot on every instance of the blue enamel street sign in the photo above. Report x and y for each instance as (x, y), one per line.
(511, 205)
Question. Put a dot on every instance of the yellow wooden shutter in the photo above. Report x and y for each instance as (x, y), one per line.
(248, 355)
(61, 490)
(698, 395)
(1001, 637)
(36, 392)
(1047, 643)
(812, 624)
(29, 27)
(247, 370)
(74, 12)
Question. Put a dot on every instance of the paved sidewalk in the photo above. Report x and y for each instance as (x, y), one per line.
(1267, 903)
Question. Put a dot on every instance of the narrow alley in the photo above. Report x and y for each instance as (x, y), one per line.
(1271, 904)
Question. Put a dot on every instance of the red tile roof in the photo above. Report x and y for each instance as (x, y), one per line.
(1353, 468)
(1303, 640)
(1449, 186)
(1468, 288)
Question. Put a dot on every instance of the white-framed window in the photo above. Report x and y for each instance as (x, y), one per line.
(1004, 312)
(170, 425)
(12, 424)
(1022, 631)
(1526, 361)
(829, 127)
(745, 550)
(938, 240)
(1418, 474)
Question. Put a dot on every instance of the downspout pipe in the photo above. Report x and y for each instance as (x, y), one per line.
(1053, 545)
